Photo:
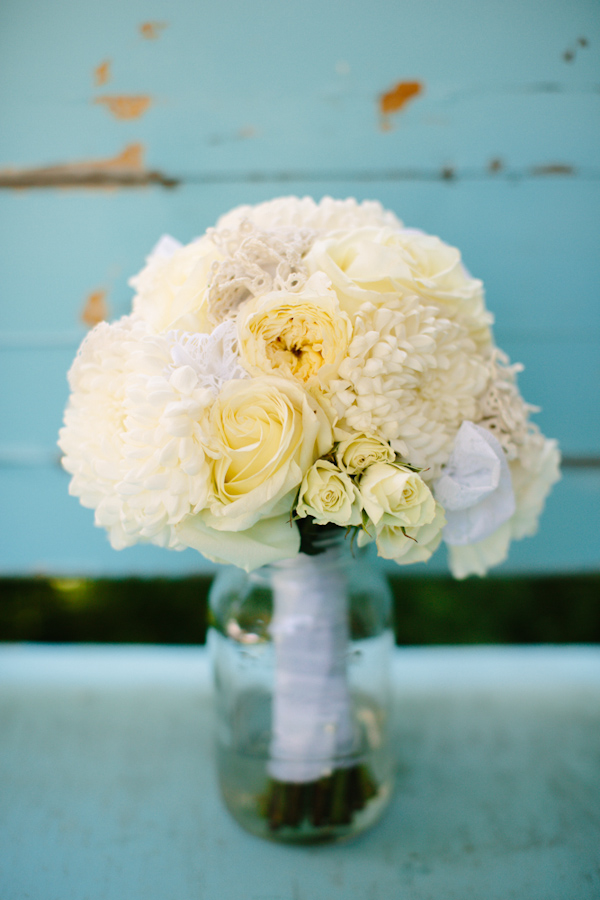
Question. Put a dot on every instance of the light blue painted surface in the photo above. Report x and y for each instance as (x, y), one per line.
(248, 104)
(109, 791)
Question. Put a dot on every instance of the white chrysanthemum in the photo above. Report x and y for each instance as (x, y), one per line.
(410, 376)
(296, 212)
(172, 289)
(134, 438)
(532, 474)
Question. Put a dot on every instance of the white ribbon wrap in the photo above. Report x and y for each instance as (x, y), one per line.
(312, 722)
(475, 487)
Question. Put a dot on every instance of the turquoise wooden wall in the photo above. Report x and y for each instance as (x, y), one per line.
(121, 121)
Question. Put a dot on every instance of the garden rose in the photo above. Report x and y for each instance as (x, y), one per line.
(265, 434)
(329, 495)
(296, 335)
(394, 495)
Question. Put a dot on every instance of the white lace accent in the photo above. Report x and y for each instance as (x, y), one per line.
(502, 408)
(257, 262)
(213, 357)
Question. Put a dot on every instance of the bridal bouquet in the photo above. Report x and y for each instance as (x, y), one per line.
(306, 369)
(306, 364)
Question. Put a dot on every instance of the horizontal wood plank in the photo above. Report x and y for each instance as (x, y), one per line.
(238, 88)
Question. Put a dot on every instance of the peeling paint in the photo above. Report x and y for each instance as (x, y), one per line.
(553, 169)
(151, 30)
(395, 99)
(102, 73)
(570, 52)
(95, 309)
(126, 106)
(126, 169)
(495, 165)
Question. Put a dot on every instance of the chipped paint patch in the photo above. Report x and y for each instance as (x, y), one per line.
(126, 169)
(151, 31)
(395, 99)
(95, 309)
(570, 52)
(125, 106)
(495, 165)
(102, 73)
(553, 169)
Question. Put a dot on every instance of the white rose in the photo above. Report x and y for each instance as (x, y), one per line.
(367, 263)
(265, 432)
(355, 454)
(172, 289)
(396, 496)
(329, 495)
(411, 545)
(298, 335)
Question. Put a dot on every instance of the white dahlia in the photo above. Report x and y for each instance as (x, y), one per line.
(135, 438)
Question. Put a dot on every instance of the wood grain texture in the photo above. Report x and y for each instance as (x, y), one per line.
(496, 152)
(105, 756)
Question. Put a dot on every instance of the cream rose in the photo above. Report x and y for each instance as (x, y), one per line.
(265, 434)
(396, 496)
(355, 454)
(296, 335)
(411, 545)
(329, 495)
(367, 263)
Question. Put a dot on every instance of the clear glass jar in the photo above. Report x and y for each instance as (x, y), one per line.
(301, 652)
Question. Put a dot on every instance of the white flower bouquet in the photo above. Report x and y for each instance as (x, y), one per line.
(299, 369)
(306, 363)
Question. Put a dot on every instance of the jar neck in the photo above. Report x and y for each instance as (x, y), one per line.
(331, 548)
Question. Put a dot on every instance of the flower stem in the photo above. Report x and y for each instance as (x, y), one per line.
(331, 800)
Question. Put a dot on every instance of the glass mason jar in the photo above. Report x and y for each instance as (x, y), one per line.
(301, 652)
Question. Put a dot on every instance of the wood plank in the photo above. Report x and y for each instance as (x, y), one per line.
(109, 782)
(238, 88)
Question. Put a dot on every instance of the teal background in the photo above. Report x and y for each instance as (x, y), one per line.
(249, 100)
